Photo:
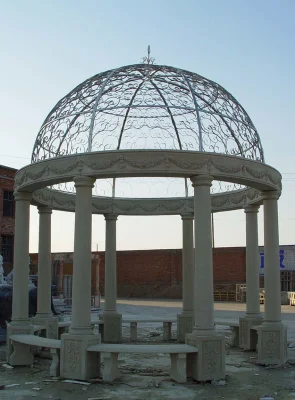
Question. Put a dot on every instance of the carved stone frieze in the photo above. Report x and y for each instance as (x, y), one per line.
(102, 205)
(73, 350)
(148, 163)
(211, 351)
(210, 362)
(185, 325)
(272, 346)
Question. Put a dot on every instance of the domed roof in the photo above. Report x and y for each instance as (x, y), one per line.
(147, 106)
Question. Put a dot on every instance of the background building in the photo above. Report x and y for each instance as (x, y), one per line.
(158, 273)
(7, 215)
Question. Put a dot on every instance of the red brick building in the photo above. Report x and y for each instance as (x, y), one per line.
(158, 273)
(7, 207)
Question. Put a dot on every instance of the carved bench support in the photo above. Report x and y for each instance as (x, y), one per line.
(111, 368)
(133, 331)
(167, 331)
(55, 364)
(178, 367)
(22, 354)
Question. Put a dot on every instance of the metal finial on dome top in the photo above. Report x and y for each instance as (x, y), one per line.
(148, 59)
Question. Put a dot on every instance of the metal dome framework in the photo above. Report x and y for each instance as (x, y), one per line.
(147, 106)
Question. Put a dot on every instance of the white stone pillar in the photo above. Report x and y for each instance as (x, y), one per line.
(20, 300)
(75, 361)
(60, 277)
(204, 300)
(44, 264)
(204, 337)
(112, 320)
(81, 291)
(185, 320)
(253, 315)
(44, 315)
(272, 335)
(272, 279)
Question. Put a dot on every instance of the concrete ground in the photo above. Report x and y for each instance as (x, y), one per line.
(147, 376)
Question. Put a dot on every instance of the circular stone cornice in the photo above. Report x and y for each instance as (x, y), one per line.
(162, 206)
(141, 163)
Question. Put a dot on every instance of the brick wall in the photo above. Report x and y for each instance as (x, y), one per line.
(6, 223)
(158, 273)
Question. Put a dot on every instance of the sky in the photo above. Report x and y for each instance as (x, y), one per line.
(49, 47)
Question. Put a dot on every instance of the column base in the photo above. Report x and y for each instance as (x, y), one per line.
(185, 323)
(272, 343)
(112, 327)
(13, 329)
(50, 323)
(247, 337)
(75, 361)
(209, 362)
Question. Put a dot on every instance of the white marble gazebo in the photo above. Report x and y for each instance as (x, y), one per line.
(196, 151)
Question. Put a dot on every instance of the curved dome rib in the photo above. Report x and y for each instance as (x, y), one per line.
(174, 125)
(201, 148)
(95, 107)
(228, 127)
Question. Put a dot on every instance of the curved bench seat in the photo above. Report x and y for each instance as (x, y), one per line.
(23, 352)
(180, 363)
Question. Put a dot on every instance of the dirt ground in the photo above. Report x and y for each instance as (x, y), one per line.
(147, 376)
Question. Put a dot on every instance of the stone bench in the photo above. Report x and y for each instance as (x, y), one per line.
(38, 329)
(235, 331)
(23, 353)
(180, 362)
(235, 328)
(63, 326)
(167, 326)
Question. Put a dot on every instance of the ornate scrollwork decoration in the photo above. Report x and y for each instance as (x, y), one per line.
(148, 106)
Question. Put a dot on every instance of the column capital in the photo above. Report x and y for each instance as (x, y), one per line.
(24, 196)
(85, 181)
(201, 180)
(44, 210)
(111, 217)
(251, 208)
(271, 195)
(187, 216)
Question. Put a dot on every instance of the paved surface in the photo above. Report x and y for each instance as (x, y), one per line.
(146, 377)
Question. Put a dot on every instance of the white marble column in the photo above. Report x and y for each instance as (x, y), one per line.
(112, 320)
(253, 315)
(81, 290)
(272, 335)
(185, 320)
(20, 299)
(75, 361)
(60, 277)
(44, 315)
(204, 300)
(44, 264)
(204, 335)
(272, 279)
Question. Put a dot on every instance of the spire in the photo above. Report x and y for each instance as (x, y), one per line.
(148, 59)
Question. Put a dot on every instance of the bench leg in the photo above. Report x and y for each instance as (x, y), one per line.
(55, 364)
(111, 368)
(167, 331)
(234, 340)
(133, 331)
(101, 330)
(22, 354)
(178, 367)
